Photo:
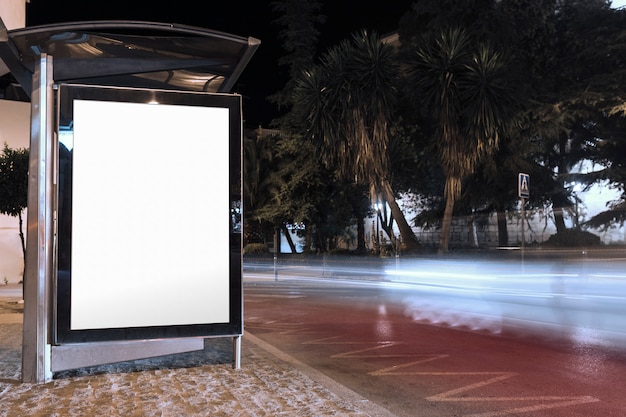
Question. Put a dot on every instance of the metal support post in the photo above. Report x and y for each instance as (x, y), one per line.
(523, 236)
(40, 234)
(237, 352)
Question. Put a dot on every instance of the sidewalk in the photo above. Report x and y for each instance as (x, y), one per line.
(269, 383)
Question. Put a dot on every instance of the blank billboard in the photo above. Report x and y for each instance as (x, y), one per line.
(146, 246)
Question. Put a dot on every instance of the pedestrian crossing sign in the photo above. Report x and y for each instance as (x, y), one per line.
(523, 185)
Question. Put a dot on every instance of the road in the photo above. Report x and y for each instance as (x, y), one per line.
(453, 338)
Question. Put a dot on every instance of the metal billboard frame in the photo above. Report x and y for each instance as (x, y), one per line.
(44, 353)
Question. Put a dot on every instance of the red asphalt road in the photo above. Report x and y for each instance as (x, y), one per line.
(361, 338)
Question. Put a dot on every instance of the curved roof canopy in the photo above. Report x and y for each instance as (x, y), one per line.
(129, 54)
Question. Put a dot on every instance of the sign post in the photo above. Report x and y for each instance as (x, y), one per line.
(523, 191)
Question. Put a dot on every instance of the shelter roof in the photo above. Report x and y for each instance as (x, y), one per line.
(129, 54)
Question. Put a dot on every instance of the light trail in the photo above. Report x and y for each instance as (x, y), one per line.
(564, 299)
(580, 300)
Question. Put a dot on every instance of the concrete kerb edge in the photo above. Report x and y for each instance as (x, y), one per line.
(362, 403)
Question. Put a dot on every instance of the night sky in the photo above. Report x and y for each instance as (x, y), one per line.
(262, 76)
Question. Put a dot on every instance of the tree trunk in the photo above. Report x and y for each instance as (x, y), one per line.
(386, 223)
(503, 233)
(19, 216)
(360, 236)
(307, 239)
(446, 225)
(406, 232)
(559, 220)
(287, 233)
(473, 235)
(321, 243)
(277, 249)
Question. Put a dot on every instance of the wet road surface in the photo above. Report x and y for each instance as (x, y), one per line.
(388, 344)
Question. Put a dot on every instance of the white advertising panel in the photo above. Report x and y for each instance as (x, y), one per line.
(148, 229)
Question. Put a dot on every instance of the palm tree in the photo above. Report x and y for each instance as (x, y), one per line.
(261, 185)
(347, 102)
(463, 89)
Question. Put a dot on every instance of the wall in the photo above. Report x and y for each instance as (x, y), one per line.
(15, 131)
(13, 13)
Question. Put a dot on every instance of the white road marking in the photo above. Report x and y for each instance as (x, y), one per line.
(490, 377)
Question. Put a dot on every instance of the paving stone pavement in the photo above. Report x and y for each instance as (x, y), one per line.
(203, 383)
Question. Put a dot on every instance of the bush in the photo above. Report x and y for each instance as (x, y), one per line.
(255, 248)
(573, 238)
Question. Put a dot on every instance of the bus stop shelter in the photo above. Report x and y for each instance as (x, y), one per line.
(133, 63)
